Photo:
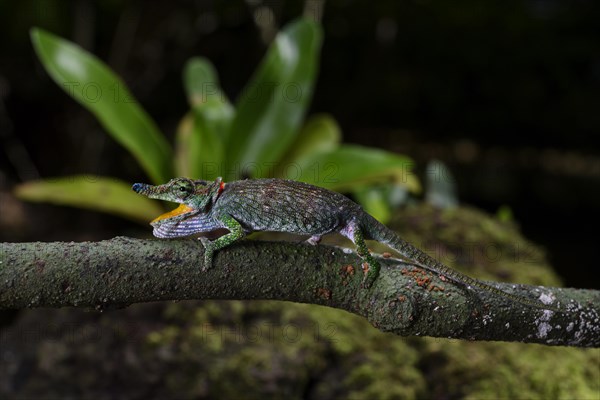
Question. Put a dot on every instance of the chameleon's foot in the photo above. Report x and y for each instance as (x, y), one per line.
(371, 272)
(370, 266)
(314, 240)
(208, 253)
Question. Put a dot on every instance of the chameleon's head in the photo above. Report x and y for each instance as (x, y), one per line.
(176, 190)
(193, 195)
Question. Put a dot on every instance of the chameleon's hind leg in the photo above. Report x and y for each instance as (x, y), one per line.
(236, 232)
(353, 232)
(314, 240)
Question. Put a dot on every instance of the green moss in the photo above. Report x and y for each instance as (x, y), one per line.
(509, 370)
(270, 348)
(476, 243)
(303, 351)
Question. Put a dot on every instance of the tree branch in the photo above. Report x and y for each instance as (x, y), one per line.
(404, 299)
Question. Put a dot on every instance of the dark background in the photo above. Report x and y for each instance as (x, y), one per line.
(506, 93)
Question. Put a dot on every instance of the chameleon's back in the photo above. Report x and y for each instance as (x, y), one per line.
(284, 205)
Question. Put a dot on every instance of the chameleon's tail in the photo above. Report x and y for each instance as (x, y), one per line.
(375, 230)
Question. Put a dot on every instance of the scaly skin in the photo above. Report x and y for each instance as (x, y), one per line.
(279, 205)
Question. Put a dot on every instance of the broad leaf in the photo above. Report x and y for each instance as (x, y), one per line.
(92, 192)
(440, 186)
(380, 200)
(271, 108)
(206, 98)
(89, 81)
(374, 202)
(349, 165)
(320, 134)
(184, 146)
(198, 150)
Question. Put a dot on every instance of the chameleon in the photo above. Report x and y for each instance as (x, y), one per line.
(279, 205)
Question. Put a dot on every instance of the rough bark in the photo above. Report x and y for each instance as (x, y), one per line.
(404, 300)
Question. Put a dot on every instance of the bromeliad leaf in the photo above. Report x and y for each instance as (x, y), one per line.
(271, 108)
(320, 134)
(183, 146)
(92, 192)
(206, 97)
(350, 165)
(198, 149)
(89, 81)
(381, 200)
(202, 134)
(373, 200)
(440, 186)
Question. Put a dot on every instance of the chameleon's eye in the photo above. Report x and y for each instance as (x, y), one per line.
(183, 189)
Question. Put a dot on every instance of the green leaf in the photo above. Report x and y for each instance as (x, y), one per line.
(91, 82)
(320, 134)
(184, 146)
(202, 134)
(350, 166)
(505, 213)
(440, 186)
(206, 98)
(198, 150)
(374, 202)
(380, 200)
(271, 108)
(92, 192)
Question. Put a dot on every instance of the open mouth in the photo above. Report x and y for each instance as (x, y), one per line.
(181, 210)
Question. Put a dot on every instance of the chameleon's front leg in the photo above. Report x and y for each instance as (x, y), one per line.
(236, 232)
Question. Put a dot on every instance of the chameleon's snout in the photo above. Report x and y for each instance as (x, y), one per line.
(140, 188)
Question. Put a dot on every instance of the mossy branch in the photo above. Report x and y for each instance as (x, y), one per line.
(404, 300)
